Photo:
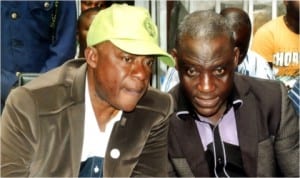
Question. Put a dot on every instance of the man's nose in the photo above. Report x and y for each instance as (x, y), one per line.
(140, 70)
(206, 83)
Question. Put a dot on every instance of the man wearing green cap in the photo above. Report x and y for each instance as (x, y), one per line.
(96, 117)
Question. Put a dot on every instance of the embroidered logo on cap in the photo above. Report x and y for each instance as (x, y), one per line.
(149, 26)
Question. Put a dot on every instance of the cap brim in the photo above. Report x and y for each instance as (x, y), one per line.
(144, 48)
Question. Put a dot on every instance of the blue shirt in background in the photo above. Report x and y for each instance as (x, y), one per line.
(36, 36)
(294, 94)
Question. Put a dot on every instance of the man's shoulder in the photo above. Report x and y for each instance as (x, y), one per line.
(53, 91)
(59, 87)
(259, 87)
(62, 75)
(254, 81)
(271, 26)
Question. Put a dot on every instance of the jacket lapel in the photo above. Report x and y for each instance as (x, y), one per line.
(76, 117)
(115, 148)
(76, 120)
(246, 119)
(188, 136)
(191, 145)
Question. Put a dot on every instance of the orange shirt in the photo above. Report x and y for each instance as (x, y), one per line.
(279, 45)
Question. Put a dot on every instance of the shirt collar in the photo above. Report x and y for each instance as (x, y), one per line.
(184, 114)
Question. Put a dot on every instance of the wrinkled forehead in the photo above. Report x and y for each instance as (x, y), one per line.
(222, 40)
(195, 50)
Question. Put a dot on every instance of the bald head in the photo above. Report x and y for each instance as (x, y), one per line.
(239, 22)
(236, 18)
(292, 16)
(204, 24)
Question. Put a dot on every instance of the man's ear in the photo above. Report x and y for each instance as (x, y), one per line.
(236, 52)
(174, 54)
(90, 54)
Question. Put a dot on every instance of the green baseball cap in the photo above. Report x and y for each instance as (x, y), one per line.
(130, 28)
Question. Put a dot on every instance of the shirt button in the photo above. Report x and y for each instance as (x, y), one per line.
(46, 4)
(17, 43)
(115, 153)
(96, 169)
(14, 15)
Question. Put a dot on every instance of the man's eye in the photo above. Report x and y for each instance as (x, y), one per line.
(191, 72)
(149, 62)
(219, 71)
(127, 59)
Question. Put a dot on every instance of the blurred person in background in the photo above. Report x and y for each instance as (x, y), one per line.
(102, 4)
(250, 63)
(87, 4)
(278, 42)
(36, 36)
(83, 24)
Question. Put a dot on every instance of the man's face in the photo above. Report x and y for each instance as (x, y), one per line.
(121, 79)
(86, 4)
(206, 69)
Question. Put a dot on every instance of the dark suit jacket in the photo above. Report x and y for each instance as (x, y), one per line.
(42, 129)
(267, 126)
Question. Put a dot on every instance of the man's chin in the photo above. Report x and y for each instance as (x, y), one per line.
(129, 108)
(207, 113)
(130, 105)
(130, 101)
